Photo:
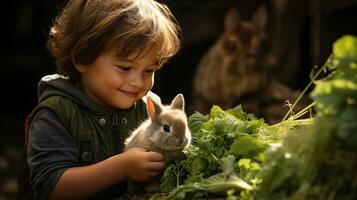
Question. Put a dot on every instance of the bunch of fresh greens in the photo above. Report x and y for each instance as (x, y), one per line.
(224, 159)
(221, 139)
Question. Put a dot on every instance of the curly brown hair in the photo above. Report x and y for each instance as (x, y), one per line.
(86, 28)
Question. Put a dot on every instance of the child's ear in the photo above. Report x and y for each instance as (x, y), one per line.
(178, 102)
(80, 67)
(153, 108)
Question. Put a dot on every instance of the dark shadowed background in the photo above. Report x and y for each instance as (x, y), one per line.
(300, 33)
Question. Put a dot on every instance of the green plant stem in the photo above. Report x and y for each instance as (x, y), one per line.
(307, 87)
(178, 171)
(303, 111)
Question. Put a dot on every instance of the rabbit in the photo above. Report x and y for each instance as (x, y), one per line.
(238, 70)
(166, 131)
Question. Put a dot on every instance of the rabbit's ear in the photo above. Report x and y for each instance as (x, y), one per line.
(231, 20)
(154, 109)
(178, 102)
(260, 17)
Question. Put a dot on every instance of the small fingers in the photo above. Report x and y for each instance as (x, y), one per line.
(155, 156)
(155, 166)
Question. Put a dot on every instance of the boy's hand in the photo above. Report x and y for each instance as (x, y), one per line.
(141, 166)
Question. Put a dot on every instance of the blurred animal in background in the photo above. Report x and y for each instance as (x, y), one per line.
(238, 70)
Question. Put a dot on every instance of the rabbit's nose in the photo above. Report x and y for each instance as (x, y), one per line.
(179, 141)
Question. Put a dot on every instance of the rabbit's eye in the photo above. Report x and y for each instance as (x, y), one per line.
(166, 128)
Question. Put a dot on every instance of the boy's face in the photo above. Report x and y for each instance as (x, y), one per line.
(118, 83)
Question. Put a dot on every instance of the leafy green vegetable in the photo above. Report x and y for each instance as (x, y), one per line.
(223, 181)
(345, 47)
(196, 121)
(221, 139)
(247, 147)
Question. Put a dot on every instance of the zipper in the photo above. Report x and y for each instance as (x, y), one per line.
(115, 124)
(114, 127)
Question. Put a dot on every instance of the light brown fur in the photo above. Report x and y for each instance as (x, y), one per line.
(237, 70)
(153, 136)
(150, 134)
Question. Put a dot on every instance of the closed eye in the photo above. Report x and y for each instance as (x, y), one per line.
(149, 72)
(123, 69)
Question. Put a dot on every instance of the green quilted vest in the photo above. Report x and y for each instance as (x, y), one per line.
(98, 135)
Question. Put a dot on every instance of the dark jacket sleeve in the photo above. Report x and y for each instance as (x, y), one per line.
(51, 150)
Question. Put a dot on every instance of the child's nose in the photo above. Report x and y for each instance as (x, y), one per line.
(135, 79)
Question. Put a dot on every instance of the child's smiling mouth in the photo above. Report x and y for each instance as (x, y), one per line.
(129, 93)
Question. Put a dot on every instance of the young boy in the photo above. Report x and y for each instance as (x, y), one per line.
(107, 52)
